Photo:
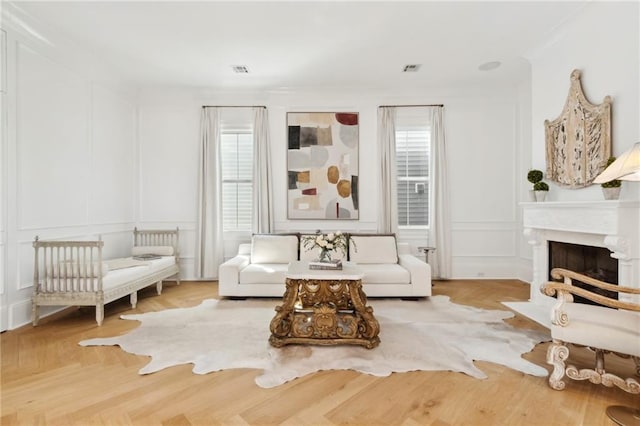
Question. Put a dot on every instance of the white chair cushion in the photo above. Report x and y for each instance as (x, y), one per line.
(311, 255)
(385, 273)
(373, 249)
(274, 248)
(264, 273)
(603, 328)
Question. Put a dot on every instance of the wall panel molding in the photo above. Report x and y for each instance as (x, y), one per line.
(52, 130)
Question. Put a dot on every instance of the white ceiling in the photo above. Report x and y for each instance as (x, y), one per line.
(290, 45)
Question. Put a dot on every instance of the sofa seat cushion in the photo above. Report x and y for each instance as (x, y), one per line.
(616, 330)
(384, 273)
(264, 273)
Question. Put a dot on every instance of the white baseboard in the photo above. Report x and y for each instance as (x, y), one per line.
(484, 268)
(20, 313)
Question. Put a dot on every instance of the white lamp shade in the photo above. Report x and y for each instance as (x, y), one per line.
(626, 167)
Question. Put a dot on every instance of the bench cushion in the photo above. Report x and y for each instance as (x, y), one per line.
(157, 250)
(115, 278)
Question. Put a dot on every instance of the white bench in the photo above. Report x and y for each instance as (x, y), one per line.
(73, 273)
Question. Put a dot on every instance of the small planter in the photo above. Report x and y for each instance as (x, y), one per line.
(540, 195)
(611, 193)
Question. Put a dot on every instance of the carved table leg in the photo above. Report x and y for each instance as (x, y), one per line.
(370, 323)
(281, 324)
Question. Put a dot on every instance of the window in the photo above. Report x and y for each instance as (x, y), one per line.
(237, 180)
(413, 146)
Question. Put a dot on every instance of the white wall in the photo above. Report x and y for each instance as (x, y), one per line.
(81, 156)
(482, 137)
(603, 42)
(69, 158)
(169, 129)
(4, 313)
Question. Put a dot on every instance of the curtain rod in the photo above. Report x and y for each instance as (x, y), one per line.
(412, 106)
(233, 106)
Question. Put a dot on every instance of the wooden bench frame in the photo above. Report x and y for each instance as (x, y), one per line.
(55, 289)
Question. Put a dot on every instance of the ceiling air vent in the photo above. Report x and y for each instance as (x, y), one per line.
(411, 68)
(240, 69)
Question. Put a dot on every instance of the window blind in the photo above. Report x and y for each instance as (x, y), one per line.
(412, 163)
(237, 180)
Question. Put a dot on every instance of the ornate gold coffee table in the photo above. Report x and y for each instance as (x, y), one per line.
(324, 307)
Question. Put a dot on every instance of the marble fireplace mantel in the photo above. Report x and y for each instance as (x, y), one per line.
(612, 224)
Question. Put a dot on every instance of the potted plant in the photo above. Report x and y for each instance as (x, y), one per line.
(611, 189)
(540, 188)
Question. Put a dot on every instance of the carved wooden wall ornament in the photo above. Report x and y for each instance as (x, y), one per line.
(578, 142)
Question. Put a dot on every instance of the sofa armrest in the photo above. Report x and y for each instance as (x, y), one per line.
(419, 270)
(229, 273)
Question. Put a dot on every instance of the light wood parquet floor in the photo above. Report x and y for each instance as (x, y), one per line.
(48, 379)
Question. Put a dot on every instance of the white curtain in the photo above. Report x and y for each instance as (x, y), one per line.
(440, 228)
(209, 238)
(262, 184)
(388, 198)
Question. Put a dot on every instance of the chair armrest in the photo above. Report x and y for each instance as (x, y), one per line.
(420, 271)
(567, 275)
(566, 289)
(551, 287)
(229, 271)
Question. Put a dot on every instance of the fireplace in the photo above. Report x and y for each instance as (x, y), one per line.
(594, 262)
(612, 225)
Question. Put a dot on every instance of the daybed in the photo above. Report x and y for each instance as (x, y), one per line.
(259, 267)
(73, 273)
(610, 327)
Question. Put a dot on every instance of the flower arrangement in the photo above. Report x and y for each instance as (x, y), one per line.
(327, 243)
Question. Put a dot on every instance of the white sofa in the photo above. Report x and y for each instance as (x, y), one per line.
(259, 268)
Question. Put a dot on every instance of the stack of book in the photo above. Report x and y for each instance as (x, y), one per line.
(334, 265)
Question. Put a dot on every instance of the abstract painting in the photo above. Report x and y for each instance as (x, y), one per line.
(322, 165)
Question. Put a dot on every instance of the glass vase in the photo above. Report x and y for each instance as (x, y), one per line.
(324, 256)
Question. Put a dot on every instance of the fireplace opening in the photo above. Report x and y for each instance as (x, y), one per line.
(594, 262)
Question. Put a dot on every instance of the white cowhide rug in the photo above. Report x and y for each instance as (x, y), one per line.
(433, 334)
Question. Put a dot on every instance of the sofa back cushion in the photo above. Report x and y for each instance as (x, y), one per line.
(310, 255)
(267, 248)
(374, 248)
